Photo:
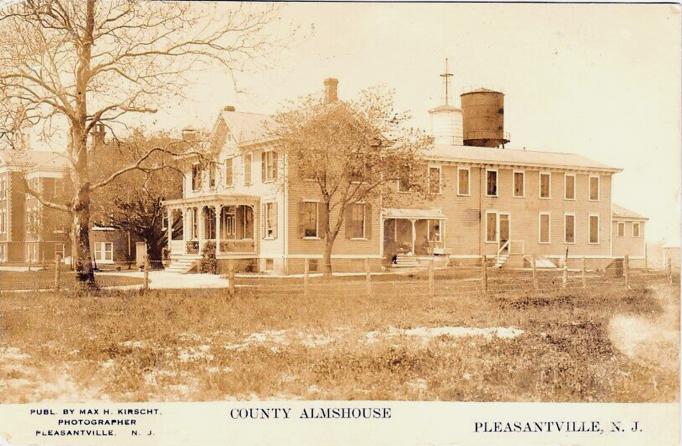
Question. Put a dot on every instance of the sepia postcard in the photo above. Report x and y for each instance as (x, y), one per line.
(331, 223)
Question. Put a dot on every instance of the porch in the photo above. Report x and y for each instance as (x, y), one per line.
(226, 221)
(410, 234)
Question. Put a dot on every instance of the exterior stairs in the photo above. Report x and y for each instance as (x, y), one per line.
(182, 264)
(501, 260)
(403, 261)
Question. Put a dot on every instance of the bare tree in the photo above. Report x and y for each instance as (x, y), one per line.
(353, 151)
(80, 64)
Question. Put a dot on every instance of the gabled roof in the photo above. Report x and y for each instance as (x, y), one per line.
(620, 211)
(33, 160)
(514, 157)
(246, 127)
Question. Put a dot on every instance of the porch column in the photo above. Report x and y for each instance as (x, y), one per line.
(202, 227)
(414, 237)
(218, 213)
(170, 228)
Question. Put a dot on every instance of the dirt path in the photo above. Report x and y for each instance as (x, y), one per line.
(650, 341)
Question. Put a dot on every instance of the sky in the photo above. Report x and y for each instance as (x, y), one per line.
(601, 81)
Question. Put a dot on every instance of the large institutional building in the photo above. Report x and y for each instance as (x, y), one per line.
(509, 205)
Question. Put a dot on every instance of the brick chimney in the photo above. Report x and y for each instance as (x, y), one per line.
(331, 89)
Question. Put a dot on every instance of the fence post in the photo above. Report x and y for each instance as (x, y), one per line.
(306, 270)
(57, 261)
(535, 277)
(669, 267)
(564, 274)
(231, 278)
(484, 271)
(145, 281)
(582, 273)
(368, 278)
(626, 271)
(432, 290)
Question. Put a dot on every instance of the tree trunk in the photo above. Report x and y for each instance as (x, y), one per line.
(327, 257)
(81, 229)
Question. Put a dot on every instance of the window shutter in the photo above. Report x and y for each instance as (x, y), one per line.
(274, 220)
(275, 166)
(263, 167)
(324, 217)
(368, 221)
(347, 221)
(301, 219)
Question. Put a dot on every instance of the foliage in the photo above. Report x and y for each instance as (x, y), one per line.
(133, 201)
(208, 263)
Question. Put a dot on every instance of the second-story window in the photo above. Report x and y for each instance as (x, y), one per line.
(545, 185)
(229, 172)
(635, 229)
(594, 188)
(3, 221)
(569, 187)
(269, 166)
(247, 169)
(212, 174)
(491, 182)
(621, 229)
(196, 177)
(463, 181)
(3, 188)
(434, 180)
(519, 184)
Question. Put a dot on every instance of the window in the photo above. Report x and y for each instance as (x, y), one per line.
(270, 220)
(3, 188)
(621, 228)
(59, 250)
(463, 180)
(594, 229)
(32, 253)
(491, 189)
(268, 166)
(545, 185)
(104, 252)
(212, 173)
(196, 177)
(491, 226)
(310, 219)
(3, 257)
(229, 172)
(594, 188)
(519, 184)
(3, 221)
(569, 186)
(569, 228)
(434, 180)
(269, 264)
(247, 169)
(405, 181)
(544, 235)
(313, 265)
(635, 229)
(358, 220)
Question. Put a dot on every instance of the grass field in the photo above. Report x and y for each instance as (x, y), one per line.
(41, 280)
(603, 343)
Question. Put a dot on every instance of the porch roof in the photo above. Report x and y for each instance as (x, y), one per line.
(418, 214)
(214, 199)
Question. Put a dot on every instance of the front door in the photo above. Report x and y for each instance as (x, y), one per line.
(505, 232)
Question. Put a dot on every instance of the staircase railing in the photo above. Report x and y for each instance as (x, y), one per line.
(502, 248)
